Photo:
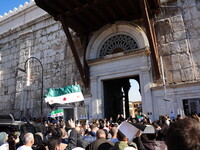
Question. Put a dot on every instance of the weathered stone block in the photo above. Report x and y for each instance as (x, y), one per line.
(49, 73)
(187, 74)
(197, 5)
(44, 39)
(194, 13)
(197, 72)
(176, 76)
(163, 27)
(193, 33)
(48, 83)
(177, 18)
(187, 3)
(165, 49)
(38, 34)
(13, 50)
(186, 14)
(175, 47)
(50, 37)
(62, 56)
(185, 60)
(52, 28)
(169, 78)
(194, 44)
(8, 64)
(33, 94)
(44, 32)
(19, 87)
(56, 46)
(169, 38)
(11, 81)
(161, 40)
(195, 22)
(175, 62)
(184, 46)
(6, 99)
(62, 33)
(178, 26)
(179, 35)
(11, 89)
(167, 63)
(196, 58)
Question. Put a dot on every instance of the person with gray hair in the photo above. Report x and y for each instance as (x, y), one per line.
(101, 143)
(28, 142)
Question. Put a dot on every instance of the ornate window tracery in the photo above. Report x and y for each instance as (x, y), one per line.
(118, 43)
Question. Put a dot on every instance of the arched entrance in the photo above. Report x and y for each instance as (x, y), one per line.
(115, 54)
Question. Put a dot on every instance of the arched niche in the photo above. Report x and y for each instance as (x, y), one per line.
(103, 34)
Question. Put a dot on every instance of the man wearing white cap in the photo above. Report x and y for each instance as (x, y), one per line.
(3, 138)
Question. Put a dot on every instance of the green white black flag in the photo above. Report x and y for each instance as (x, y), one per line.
(68, 94)
(57, 113)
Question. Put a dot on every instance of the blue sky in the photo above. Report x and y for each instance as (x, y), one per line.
(6, 5)
(134, 94)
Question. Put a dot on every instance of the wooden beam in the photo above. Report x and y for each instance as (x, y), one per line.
(76, 2)
(84, 42)
(110, 11)
(149, 9)
(101, 14)
(134, 9)
(82, 19)
(79, 9)
(64, 4)
(82, 71)
(92, 17)
(151, 38)
(119, 5)
(154, 35)
(74, 25)
(53, 7)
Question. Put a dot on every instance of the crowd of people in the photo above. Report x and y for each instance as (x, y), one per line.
(178, 134)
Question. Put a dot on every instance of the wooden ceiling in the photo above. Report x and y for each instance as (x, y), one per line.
(86, 16)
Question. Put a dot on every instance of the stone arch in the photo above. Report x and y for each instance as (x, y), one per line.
(100, 36)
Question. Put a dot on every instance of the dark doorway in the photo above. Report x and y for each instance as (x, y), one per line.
(116, 99)
(68, 114)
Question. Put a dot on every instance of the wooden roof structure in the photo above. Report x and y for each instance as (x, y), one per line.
(86, 16)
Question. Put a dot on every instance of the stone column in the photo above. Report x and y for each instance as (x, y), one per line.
(94, 100)
(147, 101)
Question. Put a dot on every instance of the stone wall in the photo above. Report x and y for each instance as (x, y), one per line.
(43, 38)
(178, 30)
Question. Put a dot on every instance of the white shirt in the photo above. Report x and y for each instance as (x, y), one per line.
(24, 147)
(78, 148)
(4, 146)
(129, 148)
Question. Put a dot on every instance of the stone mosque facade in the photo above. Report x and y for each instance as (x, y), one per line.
(29, 31)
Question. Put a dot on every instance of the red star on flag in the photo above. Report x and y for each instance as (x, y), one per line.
(52, 101)
(77, 96)
(64, 99)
